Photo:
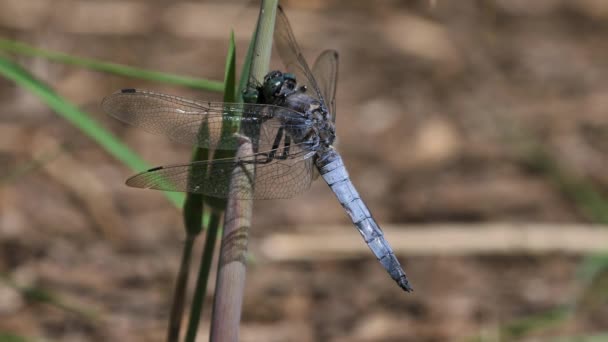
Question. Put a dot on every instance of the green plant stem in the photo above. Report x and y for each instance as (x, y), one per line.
(246, 69)
(112, 68)
(203, 276)
(193, 208)
(8, 337)
(179, 295)
(193, 224)
(262, 48)
(230, 283)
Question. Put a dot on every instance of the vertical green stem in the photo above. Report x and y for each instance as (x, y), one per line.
(193, 223)
(262, 49)
(203, 275)
(193, 214)
(177, 308)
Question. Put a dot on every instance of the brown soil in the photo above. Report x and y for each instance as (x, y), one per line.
(440, 104)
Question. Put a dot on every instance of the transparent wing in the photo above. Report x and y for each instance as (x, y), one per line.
(292, 57)
(325, 72)
(275, 179)
(181, 119)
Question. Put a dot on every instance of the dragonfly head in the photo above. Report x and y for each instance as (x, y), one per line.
(278, 85)
(251, 95)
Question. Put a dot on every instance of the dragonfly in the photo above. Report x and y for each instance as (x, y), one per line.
(291, 129)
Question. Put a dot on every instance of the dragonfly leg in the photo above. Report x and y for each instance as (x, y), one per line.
(275, 145)
(265, 158)
(286, 147)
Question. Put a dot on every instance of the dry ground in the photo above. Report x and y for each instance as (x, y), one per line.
(438, 105)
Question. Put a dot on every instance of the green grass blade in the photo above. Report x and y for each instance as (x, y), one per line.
(79, 119)
(112, 68)
(179, 294)
(230, 72)
(198, 299)
(583, 338)
(9, 337)
(194, 218)
(246, 69)
(194, 222)
(228, 128)
(218, 205)
(194, 202)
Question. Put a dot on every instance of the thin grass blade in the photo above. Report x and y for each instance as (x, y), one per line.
(246, 69)
(111, 68)
(198, 299)
(9, 337)
(218, 205)
(179, 294)
(193, 216)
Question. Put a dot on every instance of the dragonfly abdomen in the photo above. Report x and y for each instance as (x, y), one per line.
(332, 170)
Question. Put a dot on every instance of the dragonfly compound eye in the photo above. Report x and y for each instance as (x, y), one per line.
(289, 76)
(276, 87)
(272, 74)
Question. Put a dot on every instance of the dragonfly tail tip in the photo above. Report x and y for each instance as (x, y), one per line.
(404, 284)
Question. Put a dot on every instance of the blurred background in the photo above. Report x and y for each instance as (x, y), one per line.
(476, 131)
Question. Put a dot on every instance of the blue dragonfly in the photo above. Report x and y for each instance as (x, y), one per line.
(291, 129)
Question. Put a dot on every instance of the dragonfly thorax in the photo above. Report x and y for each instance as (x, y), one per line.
(281, 89)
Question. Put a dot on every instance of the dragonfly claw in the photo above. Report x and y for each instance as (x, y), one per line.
(404, 284)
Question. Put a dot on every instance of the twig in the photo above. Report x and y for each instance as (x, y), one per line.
(342, 242)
